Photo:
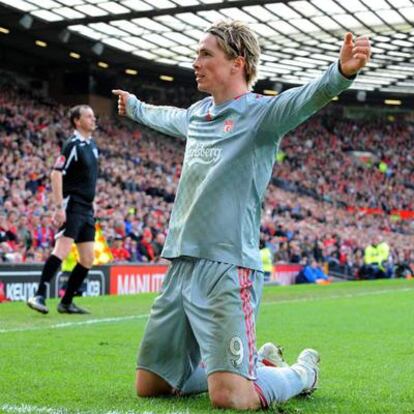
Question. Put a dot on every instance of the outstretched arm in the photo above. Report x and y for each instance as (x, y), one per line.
(291, 108)
(166, 119)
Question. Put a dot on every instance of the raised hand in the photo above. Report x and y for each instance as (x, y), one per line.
(354, 54)
(122, 100)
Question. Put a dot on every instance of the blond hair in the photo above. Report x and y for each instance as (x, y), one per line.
(236, 39)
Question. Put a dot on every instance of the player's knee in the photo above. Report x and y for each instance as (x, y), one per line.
(86, 261)
(232, 391)
(148, 384)
(61, 250)
(223, 398)
(143, 390)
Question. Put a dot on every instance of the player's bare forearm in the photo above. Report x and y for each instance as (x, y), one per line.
(59, 214)
(57, 185)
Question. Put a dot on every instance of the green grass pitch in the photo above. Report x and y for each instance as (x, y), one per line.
(61, 364)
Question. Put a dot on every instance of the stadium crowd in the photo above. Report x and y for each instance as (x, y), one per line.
(320, 159)
(306, 210)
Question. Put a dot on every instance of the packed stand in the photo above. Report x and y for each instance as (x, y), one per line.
(321, 161)
(304, 216)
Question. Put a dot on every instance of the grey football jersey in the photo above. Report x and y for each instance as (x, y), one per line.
(229, 155)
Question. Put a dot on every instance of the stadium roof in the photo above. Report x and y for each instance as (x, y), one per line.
(299, 39)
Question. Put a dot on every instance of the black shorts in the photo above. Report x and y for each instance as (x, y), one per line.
(79, 225)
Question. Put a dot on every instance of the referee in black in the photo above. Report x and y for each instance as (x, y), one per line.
(73, 178)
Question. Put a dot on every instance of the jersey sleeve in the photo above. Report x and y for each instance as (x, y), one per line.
(166, 119)
(288, 110)
(62, 161)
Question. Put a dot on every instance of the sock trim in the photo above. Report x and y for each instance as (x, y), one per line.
(268, 363)
(263, 402)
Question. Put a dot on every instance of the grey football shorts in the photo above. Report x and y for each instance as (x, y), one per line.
(206, 311)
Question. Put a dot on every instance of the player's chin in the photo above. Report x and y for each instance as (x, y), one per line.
(201, 87)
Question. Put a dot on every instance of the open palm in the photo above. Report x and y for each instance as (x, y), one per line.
(354, 54)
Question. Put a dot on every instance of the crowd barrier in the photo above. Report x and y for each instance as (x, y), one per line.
(19, 282)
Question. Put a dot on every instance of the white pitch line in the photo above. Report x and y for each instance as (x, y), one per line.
(77, 323)
(144, 316)
(33, 409)
(26, 409)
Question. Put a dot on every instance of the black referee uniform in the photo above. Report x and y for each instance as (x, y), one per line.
(78, 164)
(74, 177)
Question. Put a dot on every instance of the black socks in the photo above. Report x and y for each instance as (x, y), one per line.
(76, 278)
(50, 268)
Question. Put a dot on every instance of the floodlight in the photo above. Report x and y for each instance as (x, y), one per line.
(64, 36)
(361, 96)
(98, 48)
(26, 21)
